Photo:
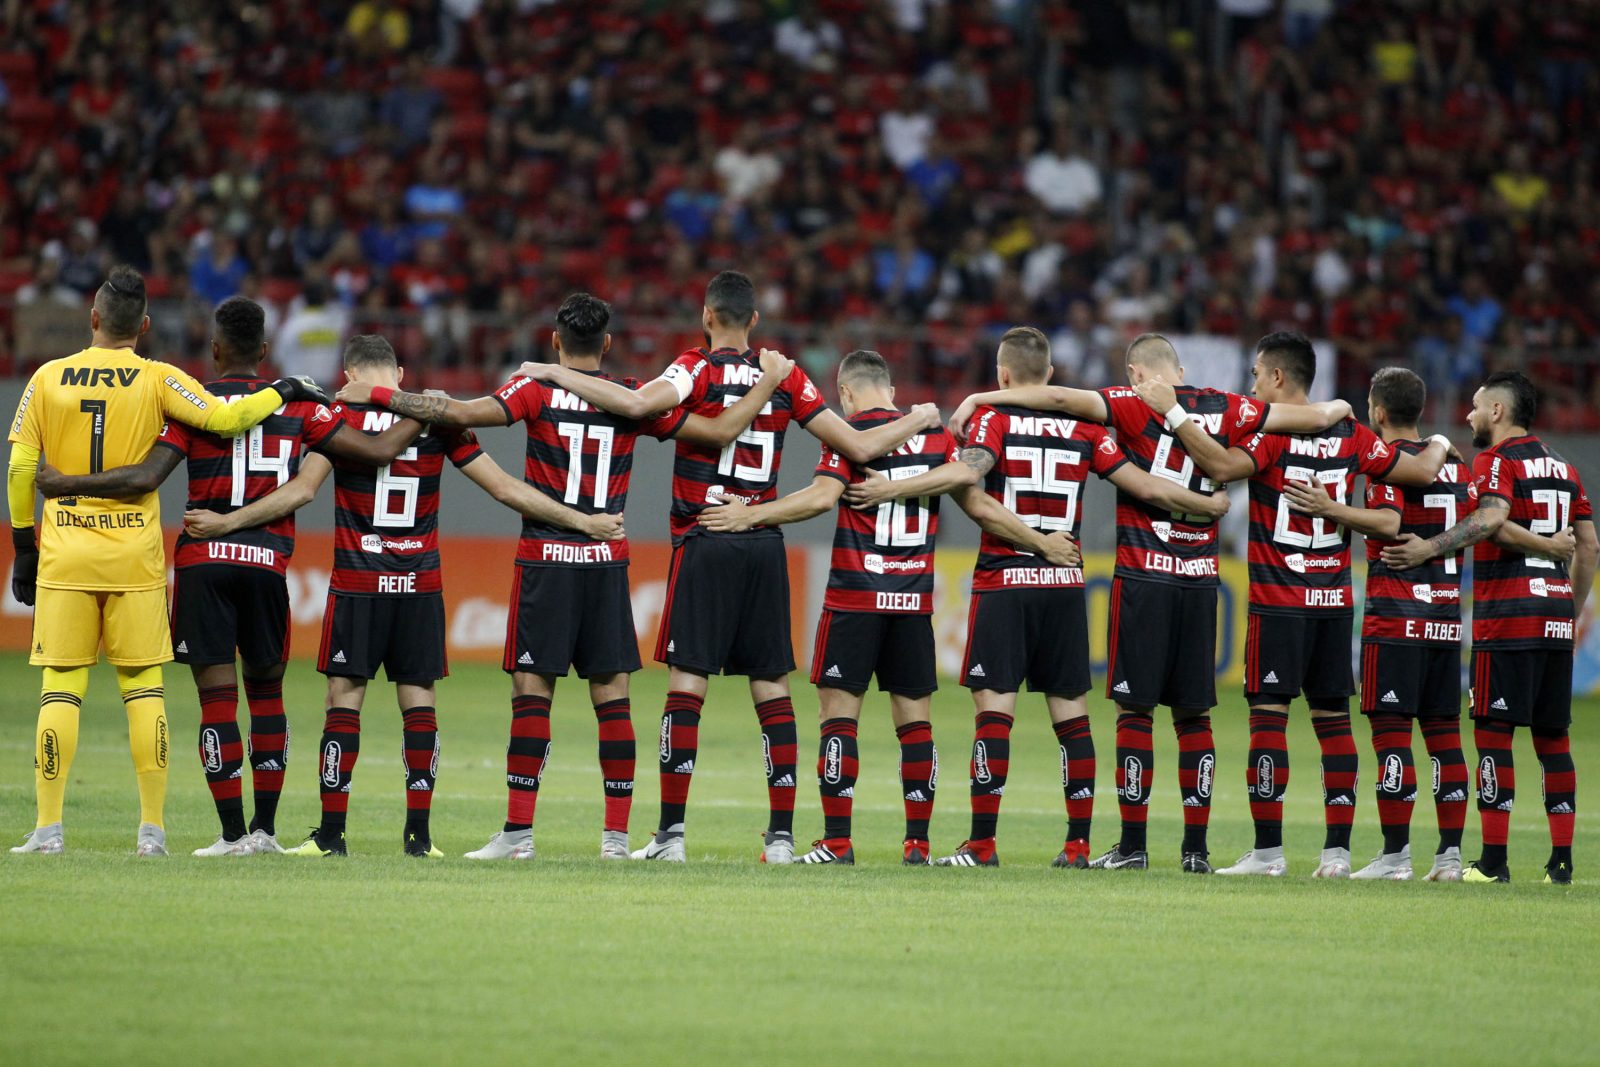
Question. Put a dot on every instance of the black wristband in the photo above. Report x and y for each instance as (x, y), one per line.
(22, 540)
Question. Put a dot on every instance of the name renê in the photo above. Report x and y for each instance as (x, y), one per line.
(397, 583)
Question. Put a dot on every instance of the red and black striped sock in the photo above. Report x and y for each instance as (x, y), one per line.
(1397, 778)
(525, 757)
(420, 730)
(341, 746)
(1340, 767)
(269, 749)
(1077, 775)
(838, 764)
(222, 755)
(680, 741)
(919, 776)
(1554, 749)
(1497, 787)
(1135, 771)
(617, 757)
(1450, 787)
(1197, 769)
(1267, 777)
(780, 746)
(991, 762)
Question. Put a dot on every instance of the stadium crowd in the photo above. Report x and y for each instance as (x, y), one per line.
(1408, 179)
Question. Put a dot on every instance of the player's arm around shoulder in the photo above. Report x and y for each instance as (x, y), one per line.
(1222, 464)
(971, 465)
(127, 482)
(1057, 548)
(528, 502)
(1306, 418)
(1079, 403)
(725, 428)
(732, 515)
(288, 498)
(863, 446)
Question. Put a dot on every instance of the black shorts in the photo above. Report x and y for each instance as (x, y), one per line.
(1523, 686)
(405, 634)
(1286, 655)
(217, 608)
(852, 646)
(1422, 681)
(727, 609)
(1162, 645)
(570, 617)
(1040, 636)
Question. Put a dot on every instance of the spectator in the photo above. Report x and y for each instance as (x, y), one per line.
(127, 228)
(746, 169)
(808, 39)
(81, 265)
(432, 202)
(47, 287)
(409, 107)
(1084, 350)
(906, 130)
(378, 27)
(386, 240)
(311, 340)
(315, 237)
(1061, 178)
(1479, 312)
(1517, 186)
(217, 272)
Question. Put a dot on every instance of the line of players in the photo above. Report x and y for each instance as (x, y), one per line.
(1020, 475)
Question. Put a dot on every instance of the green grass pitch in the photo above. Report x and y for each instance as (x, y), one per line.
(379, 959)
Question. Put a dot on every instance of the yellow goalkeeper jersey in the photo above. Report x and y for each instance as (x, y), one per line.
(98, 409)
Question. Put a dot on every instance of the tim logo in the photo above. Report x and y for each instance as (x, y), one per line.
(49, 755)
(666, 739)
(90, 377)
(332, 752)
(211, 750)
(832, 760)
(766, 753)
(1264, 776)
(980, 762)
(1203, 776)
(161, 740)
(1133, 780)
(1488, 781)
(1393, 772)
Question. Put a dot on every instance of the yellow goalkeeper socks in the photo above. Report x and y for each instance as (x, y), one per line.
(146, 701)
(56, 739)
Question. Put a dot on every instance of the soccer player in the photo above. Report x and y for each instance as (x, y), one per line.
(727, 607)
(1164, 590)
(877, 612)
(1301, 601)
(231, 595)
(1029, 621)
(1523, 615)
(1411, 630)
(570, 604)
(98, 570)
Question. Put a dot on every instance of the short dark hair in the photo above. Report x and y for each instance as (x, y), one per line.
(1524, 395)
(864, 365)
(581, 322)
(369, 350)
(121, 302)
(1025, 351)
(1291, 352)
(731, 296)
(1400, 393)
(1151, 350)
(241, 326)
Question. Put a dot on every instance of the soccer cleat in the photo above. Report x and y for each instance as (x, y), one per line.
(1482, 876)
(969, 856)
(263, 844)
(1196, 863)
(314, 847)
(1074, 854)
(1118, 860)
(1262, 861)
(1446, 866)
(613, 844)
(918, 853)
(1558, 873)
(668, 848)
(506, 845)
(152, 840)
(777, 848)
(836, 851)
(422, 848)
(223, 847)
(1335, 864)
(1388, 866)
(45, 841)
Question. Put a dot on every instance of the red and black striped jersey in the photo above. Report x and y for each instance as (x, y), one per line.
(1519, 601)
(1041, 464)
(883, 559)
(226, 473)
(386, 519)
(582, 457)
(747, 468)
(1299, 561)
(1423, 603)
(1155, 544)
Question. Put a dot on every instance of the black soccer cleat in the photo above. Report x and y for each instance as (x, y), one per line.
(1476, 872)
(1557, 873)
(1118, 860)
(1196, 863)
(916, 853)
(317, 846)
(421, 847)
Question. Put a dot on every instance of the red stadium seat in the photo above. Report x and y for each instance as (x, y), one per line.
(19, 71)
(33, 116)
(463, 90)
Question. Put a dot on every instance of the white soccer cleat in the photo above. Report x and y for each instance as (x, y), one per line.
(1446, 866)
(262, 843)
(1262, 861)
(1335, 864)
(613, 845)
(777, 848)
(223, 847)
(668, 850)
(506, 845)
(1389, 867)
(152, 840)
(45, 841)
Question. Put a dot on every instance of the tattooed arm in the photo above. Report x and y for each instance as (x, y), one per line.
(1412, 551)
(439, 410)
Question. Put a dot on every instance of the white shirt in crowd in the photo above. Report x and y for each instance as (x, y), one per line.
(312, 342)
(1067, 185)
(905, 136)
(745, 174)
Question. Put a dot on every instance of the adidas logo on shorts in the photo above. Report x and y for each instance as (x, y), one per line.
(1498, 705)
(1270, 679)
(1389, 698)
(338, 657)
(1121, 687)
(976, 671)
(672, 646)
(525, 659)
(833, 672)
(183, 646)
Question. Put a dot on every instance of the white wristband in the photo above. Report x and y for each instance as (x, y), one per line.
(1176, 416)
(1442, 439)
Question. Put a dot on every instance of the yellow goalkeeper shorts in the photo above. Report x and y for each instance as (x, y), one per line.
(69, 625)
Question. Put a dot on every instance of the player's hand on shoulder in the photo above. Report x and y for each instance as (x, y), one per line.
(963, 415)
(1157, 393)
(50, 482)
(1407, 552)
(301, 387)
(202, 524)
(604, 527)
(774, 362)
(538, 371)
(1308, 497)
(929, 413)
(1062, 551)
(355, 393)
(729, 515)
(872, 490)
